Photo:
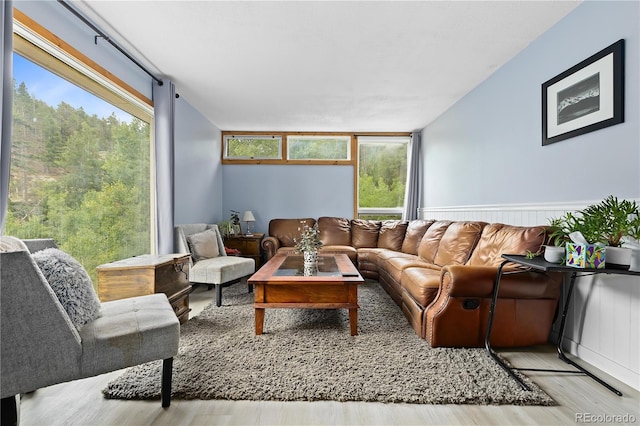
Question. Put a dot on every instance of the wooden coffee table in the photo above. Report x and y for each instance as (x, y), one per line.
(283, 282)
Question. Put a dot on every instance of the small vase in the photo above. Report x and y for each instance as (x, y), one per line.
(310, 257)
(554, 254)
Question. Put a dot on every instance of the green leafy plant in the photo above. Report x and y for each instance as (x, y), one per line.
(612, 217)
(634, 228)
(608, 222)
(531, 255)
(309, 239)
(558, 231)
(225, 228)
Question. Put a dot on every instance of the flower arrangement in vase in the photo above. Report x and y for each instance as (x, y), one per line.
(308, 243)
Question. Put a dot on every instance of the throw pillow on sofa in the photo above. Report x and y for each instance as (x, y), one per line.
(71, 284)
(203, 245)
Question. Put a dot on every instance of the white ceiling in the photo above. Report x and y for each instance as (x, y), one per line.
(327, 65)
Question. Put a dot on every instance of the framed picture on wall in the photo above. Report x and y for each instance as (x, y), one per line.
(588, 96)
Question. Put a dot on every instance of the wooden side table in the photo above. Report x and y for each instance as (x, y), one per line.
(148, 274)
(249, 246)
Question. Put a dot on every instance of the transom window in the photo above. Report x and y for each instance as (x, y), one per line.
(287, 148)
(319, 147)
(249, 147)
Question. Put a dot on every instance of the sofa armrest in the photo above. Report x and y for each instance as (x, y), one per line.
(478, 281)
(270, 245)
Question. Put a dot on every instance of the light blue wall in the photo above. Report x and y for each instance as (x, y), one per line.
(198, 172)
(55, 18)
(272, 191)
(487, 148)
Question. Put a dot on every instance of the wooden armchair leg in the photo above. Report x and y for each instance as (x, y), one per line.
(167, 372)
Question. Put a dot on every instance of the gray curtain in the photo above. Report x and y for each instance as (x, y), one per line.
(6, 71)
(413, 192)
(164, 110)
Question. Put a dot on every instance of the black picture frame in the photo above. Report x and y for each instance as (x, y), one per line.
(588, 96)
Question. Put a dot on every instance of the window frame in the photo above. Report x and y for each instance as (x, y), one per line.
(284, 148)
(377, 138)
(39, 45)
(244, 135)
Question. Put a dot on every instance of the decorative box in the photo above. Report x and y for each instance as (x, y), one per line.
(585, 256)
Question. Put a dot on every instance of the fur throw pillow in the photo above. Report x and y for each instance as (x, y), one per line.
(71, 284)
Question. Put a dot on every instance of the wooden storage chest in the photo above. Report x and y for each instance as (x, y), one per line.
(148, 274)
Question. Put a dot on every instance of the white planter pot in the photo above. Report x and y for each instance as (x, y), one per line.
(617, 257)
(554, 254)
(635, 260)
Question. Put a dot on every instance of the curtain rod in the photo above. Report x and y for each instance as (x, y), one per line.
(101, 34)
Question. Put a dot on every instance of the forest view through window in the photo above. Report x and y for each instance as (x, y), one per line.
(79, 170)
(382, 176)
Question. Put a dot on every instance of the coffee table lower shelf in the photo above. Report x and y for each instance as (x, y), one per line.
(302, 296)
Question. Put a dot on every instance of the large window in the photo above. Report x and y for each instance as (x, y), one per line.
(80, 169)
(382, 175)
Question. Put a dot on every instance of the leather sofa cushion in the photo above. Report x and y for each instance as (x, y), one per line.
(498, 239)
(334, 231)
(285, 230)
(340, 249)
(457, 243)
(431, 240)
(364, 233)
(392, 234)
(414, 234)
(421, 283)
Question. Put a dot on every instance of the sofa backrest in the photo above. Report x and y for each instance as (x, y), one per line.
(413, 235)
(285, 230)
(431, 240)
(364, 233)
(458, 242)
(392, 233)
(498, 239)
(334, 231)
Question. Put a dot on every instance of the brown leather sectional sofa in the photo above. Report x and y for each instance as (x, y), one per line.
(441, 274)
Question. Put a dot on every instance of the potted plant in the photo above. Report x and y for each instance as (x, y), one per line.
(558, 236)
(611, 220)
(308, 243)
(567, 230)
(632, 241)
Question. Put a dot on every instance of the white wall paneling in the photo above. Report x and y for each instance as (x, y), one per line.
(603, 323)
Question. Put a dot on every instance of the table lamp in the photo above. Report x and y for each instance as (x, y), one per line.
(247, 217)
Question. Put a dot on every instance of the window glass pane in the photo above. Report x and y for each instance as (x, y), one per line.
(318, 147)
(382, 168)
(79, 171)
(253, 147)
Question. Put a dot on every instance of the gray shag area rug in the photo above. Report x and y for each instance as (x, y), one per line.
(309, 355)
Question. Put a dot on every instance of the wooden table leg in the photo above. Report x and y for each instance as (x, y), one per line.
(259, 320)
(353, 321)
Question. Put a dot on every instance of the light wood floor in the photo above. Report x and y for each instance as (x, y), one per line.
(81, 403)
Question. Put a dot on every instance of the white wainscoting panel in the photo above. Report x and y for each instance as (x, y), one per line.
(603, 324)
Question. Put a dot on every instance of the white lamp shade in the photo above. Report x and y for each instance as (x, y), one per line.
(248, 216)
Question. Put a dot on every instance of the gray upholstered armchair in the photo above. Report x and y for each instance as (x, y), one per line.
(41, 346)
(215, 269)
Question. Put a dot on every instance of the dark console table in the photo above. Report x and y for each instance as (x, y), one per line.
(541, 265)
